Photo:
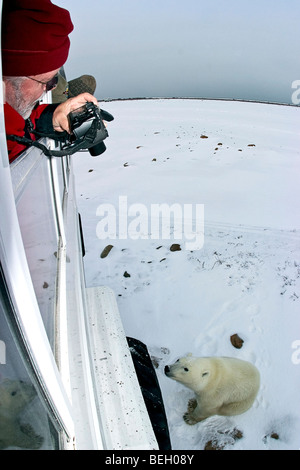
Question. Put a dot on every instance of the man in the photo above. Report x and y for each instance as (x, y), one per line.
(35, 45)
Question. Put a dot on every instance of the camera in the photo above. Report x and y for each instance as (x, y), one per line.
(87, 129)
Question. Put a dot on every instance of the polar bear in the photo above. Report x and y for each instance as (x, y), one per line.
(15, 395)
(223, 385)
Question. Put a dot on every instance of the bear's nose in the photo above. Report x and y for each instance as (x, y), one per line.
(167, 369)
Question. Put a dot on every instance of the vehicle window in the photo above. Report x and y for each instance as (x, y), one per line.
(24, 422)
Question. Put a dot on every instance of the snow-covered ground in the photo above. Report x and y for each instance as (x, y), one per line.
(242, 162)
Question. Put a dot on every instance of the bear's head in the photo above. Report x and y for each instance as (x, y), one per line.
(193, 372)
(14, 396)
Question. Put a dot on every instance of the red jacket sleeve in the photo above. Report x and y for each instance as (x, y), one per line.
(36, 113)
(15, 125)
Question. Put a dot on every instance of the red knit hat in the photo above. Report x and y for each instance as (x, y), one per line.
(34, 37)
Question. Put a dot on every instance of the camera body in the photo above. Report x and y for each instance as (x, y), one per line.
(88, 129)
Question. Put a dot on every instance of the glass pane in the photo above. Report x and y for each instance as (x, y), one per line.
(24, 423)
(39, 232)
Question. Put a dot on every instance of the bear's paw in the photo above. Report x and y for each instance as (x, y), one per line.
(192, 404)
(188, 418)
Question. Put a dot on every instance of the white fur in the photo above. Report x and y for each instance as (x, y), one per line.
(222, 385)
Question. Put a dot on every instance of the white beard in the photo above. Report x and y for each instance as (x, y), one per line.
(20, 104)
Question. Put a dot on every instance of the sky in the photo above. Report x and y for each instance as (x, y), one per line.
(232, 49)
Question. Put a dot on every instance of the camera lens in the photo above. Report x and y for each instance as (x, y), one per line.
(97, 149)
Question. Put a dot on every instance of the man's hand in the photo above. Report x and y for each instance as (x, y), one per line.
(60, 115)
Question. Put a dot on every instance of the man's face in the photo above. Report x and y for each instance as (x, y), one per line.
(24, 97)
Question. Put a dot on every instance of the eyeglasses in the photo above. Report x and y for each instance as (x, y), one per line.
(50, 84)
